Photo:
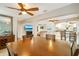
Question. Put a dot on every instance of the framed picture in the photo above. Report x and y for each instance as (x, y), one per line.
(6, 25)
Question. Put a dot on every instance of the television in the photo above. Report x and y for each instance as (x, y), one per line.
(28, 27)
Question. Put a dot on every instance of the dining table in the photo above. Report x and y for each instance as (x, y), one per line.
(39, 46)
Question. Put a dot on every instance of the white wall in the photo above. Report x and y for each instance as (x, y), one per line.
(15, 27)
(78, 33)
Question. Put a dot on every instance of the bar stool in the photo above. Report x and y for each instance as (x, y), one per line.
(63, 35)
(50, 36)
(72, 36)
(72, 39)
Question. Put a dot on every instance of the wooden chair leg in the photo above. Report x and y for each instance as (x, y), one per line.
(8, 52)
(71, 52)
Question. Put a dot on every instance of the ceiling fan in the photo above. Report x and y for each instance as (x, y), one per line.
(22, 9)
(53, 20)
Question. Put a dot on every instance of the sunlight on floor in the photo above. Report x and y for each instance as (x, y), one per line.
(4, 52)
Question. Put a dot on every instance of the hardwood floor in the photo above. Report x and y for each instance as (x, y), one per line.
(39, 47)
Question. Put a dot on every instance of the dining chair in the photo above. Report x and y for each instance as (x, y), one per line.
(50, 36)
(27, 37)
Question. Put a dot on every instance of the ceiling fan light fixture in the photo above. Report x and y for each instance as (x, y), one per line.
(20, 13)
(23, 12)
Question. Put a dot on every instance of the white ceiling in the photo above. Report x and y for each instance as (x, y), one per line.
(43, 8)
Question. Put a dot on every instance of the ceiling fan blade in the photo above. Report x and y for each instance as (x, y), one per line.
(32, 9)
(20, 4)
(53, 20)
(30, 13)
(13, 8)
